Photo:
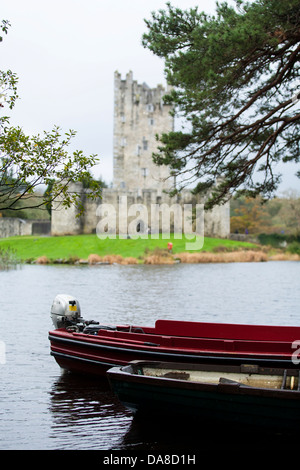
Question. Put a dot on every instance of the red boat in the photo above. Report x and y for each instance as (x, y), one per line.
(88, 347)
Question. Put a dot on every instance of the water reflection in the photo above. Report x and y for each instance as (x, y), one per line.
(84, 414)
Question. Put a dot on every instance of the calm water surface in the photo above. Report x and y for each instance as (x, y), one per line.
(43, 408)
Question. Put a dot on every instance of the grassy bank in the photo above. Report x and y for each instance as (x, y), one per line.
(82, 246)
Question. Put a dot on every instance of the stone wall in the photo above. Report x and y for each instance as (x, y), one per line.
(66, 221)
(13, 226)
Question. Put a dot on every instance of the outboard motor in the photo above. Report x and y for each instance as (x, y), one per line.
(65, 311)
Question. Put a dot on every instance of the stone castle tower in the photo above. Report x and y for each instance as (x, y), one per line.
(139, 114)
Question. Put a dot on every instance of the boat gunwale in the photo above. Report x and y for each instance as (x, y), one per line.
(61, 335)
(194, 355)
(129, 373)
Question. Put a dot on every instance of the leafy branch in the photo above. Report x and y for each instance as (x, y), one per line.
(234, 79)
(31, 162)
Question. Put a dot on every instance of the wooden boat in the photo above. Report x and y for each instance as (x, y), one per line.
(88, 347)
(245, 394)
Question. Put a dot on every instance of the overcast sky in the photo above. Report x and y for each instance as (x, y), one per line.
(65, 53)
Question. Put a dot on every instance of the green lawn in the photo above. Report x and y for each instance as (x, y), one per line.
(82, 246)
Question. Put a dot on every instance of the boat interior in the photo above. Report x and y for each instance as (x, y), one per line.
(248, 375)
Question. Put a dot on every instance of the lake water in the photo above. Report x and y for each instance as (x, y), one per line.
(43, 408)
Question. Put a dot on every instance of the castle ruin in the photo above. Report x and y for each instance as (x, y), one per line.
(139, 114)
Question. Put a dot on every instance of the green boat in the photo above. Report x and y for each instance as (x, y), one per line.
(245, 394)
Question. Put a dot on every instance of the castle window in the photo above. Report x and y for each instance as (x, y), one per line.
(144, 172)
(138, 150)
(123, 142)
(150, 108)
(145, 144)
(151, 121)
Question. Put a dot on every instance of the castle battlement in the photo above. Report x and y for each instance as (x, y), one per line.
(139, 114)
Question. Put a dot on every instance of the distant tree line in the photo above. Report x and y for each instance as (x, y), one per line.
(279, 216)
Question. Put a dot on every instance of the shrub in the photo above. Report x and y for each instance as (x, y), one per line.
(42, 260)
(94, 258)
(294, 248)
(8, 258)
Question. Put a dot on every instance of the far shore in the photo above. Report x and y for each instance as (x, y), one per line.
(167, 258)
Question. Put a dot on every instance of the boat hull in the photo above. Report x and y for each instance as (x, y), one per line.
(224, 402)
(173, 341)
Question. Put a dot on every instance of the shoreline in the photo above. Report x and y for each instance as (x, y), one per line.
(243, 256)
